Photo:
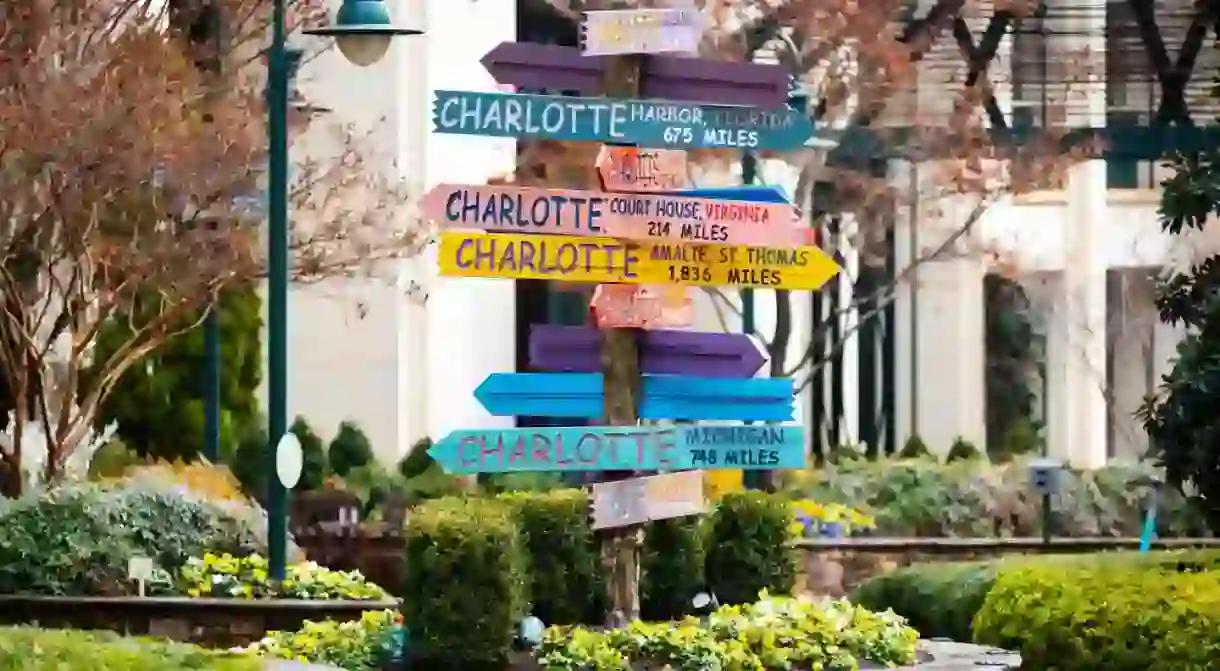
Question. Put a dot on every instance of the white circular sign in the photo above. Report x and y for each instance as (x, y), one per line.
(288, 460)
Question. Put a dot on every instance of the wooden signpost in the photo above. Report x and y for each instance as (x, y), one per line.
(645, 236)
(523, 209)
(639, 500)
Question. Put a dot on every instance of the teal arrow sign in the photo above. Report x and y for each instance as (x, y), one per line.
(646, 123)
(608, 448)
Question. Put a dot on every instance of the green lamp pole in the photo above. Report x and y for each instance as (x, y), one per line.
(362, 31)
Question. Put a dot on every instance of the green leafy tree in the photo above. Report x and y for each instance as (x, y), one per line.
(350, 449)
(1181, 419)
(159, 404)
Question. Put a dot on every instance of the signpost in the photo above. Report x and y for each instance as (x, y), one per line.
(578, 349)
(547, 66)
(679, 397)
(641, 31)
(612, 448)
(650, 306)
(549, 257)
(650, 123)
(639, 500)
(637, 216)
(639, 170)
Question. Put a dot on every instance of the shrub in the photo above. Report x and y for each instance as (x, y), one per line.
(77, 541)
(29, 649)
(938, 599)
(417, 460)
(914, 448)
(349, 449)
(225, 576)
(671, 568)
(747, 548)
(465, 583)
(356, 645)
(1154, 620)
(962, 449)
(775, 633)
(564, 565)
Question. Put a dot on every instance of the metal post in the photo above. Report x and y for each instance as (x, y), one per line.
(621, 375)
(277, 287)
(211, 385)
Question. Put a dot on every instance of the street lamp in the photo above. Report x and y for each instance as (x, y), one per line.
(362, 31)
(357, 23)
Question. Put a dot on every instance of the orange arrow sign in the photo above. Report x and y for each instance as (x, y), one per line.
(660, 306)
(647, 217)
(642, 170)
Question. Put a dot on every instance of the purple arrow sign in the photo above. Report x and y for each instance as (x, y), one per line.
(577, 349)
(695, 80)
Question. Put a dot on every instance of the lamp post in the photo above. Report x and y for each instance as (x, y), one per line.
(363, 31)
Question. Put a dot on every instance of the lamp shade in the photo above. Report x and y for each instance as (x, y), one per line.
(362, 31)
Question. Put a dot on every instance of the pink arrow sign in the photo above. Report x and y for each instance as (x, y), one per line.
(521, 209)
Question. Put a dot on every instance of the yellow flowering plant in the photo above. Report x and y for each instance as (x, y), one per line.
(357, 645)
(772, 633)
(224, 576)
(811, 519)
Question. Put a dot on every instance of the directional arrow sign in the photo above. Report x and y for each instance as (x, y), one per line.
(578, 349)
(608, 448)
(637, 500)
(637, 216)
(648, 123)
(680, 397)
(751, 194)
(641, 31)
(556, 68)
(644, 170)
(657, 306)
(608, 260)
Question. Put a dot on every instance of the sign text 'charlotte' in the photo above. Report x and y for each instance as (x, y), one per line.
(596, 448)
(643, 122)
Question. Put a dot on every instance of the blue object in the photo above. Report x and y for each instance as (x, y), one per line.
(680, 397)
(609, 448)
(1149, 530)
(646, 123)
(832, 530)
(750, 194)
(530, 631)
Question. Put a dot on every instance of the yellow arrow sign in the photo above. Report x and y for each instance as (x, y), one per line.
(607, 260)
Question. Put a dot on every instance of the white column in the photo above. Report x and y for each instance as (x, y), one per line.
(906, 345)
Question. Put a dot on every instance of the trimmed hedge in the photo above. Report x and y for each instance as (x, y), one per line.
(939, 600)
(671, 568)
(566, 584)
(747, 549)
(1104, 616)
(29, 649)
(1158, 611)
(466, 587)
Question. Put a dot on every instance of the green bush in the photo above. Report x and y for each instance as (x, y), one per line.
(349, 449)
(29, 649)
(671, 568)
(962, 449)
(976, 498)
(417, 460)
(565, 571)
(1104, 615)
(914, 448)
(938, 599)
(366, 644)
(78, 540)
(465, 586)
(747, 548)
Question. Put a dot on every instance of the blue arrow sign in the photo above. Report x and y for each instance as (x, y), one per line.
(750, 194)
(682, 397)
(647, 123)
(608, 448)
